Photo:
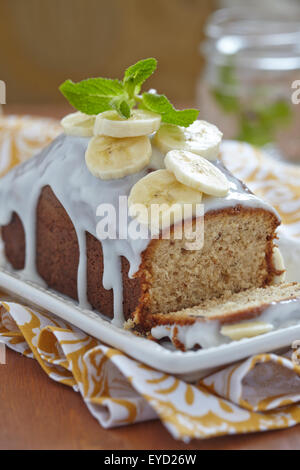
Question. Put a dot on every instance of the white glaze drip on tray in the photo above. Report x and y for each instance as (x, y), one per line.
(204, 334)
(62, 166)
(207, 334)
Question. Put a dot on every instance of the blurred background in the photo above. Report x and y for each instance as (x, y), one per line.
(43, 42)
(235, 59)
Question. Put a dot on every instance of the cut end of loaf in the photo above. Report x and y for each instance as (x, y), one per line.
(236, 256)
(238, 307)
(221, 320)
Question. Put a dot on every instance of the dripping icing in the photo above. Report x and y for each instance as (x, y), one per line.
(62, 166)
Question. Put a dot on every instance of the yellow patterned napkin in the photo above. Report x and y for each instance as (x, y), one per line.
(21, 137)
(276, 182)
(258, 394)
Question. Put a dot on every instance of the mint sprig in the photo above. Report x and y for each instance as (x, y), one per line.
(96, 95)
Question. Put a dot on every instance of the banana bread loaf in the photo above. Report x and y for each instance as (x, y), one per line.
(48, 214)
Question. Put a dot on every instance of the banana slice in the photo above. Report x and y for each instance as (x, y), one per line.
(197, 172)
(79, 124)
(160, 188)
(140, 123)
(109, 158)
(201, 138)
(246, 330)
(278, 264)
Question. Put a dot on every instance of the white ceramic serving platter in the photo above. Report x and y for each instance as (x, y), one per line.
(188, 365)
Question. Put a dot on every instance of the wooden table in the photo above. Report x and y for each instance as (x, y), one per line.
(38, 413)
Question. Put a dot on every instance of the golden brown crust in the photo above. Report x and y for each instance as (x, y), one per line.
(177, 343)
(13, 236)
(57, 249)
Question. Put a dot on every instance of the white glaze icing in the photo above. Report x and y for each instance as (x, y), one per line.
(207, 333)
(290, 250)
(62, 166)
(204, 334)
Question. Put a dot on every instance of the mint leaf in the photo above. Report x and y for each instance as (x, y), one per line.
(157, 103)
(124, 109)
(183, 118)
(121, 106)
(137, 74)
(88, 104)
(161, 105)
(92, 96)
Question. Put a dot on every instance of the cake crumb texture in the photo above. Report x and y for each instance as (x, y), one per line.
(241, 306)
(237, 255)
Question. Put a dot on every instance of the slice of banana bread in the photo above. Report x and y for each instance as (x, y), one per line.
(237, 255)
(220, 320)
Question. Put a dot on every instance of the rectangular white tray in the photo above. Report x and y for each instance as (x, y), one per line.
(188, 365)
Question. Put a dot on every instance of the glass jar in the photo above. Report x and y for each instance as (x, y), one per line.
(246, 89)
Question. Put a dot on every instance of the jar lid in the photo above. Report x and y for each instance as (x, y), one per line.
(259, 42)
